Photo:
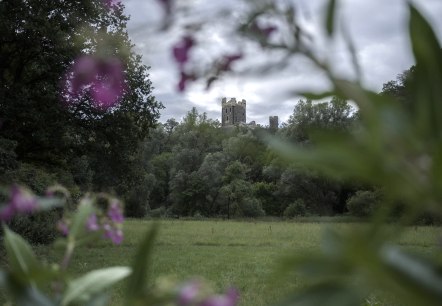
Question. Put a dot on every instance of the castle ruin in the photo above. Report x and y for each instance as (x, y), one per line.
(273, 123)
(233, 112)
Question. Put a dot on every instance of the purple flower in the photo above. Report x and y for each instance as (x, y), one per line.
(114, 234)
(20, 201)
(188, 293)
(7, 213)
(181, 50)
(103, 79)
(264, 32)
(115, 213)
(229, 299)
(227, 61)
(167, 5)
(110, 3)
(184, 78)
(63, 228)
(91, 223)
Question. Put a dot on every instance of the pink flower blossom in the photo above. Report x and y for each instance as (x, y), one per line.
(167, 5)
(103, 79)
(184, 79)
(181, 50)
(263, 31)
(115, 213)
(110, 3)
(21, 201)
(7, 213)
(114, 234)
(91, 223)
(62, 227)
(188, 293)
(228, 299)
(228, 60)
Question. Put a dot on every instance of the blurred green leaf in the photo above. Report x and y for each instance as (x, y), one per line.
(330, 17)
(85, 287)
(21, 258)
(98, 300)
(50, 203)
(137, 282)
(427, 82)
(30, 296)
(418, 277)
(327, 293)
(79, 220)
(317, 96)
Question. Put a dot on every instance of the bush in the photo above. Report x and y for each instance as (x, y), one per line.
(251, 208)
(159, 212)
(362, 203)
(296, 209)
(39, 228)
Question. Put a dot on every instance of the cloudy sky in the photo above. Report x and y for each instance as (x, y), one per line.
(378, 28)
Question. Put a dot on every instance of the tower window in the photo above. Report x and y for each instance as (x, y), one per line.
(227, 118)
(226, 110)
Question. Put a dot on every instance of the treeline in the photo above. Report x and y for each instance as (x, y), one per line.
(198, 168)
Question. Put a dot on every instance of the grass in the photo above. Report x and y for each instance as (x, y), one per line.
(242, 254)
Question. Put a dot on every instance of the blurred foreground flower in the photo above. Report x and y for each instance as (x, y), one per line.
(110, 3)
(196, 293)
(102, 78)
(21, 201)
(109, 221)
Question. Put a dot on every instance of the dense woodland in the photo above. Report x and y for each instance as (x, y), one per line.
(188, 168)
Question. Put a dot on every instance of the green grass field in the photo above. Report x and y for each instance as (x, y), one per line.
(242, 254)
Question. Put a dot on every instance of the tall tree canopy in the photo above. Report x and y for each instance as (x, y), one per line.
(39, 42)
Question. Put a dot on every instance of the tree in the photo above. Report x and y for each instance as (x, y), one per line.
(39, 41)
(308, 116)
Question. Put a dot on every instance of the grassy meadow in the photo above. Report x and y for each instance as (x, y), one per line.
(242, 254)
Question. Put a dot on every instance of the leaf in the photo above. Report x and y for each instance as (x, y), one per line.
(330, 294)
(427, 90)
(330, 17)
(78, 224)
(98, 300)
(84, 288)
(20, 256)
(50, 203)
(31, 296)
(418, 276)
(137, 281)
(317, 96)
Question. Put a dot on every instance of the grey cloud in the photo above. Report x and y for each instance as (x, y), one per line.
(378, 28)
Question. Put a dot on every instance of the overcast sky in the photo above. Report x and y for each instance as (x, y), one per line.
(378, 28)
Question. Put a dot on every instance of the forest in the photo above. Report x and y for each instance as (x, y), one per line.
(191, 167)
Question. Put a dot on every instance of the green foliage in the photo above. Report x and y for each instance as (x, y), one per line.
(45, 140)
(38, 228)
(159, 212)
(296, 209)
(363, 203)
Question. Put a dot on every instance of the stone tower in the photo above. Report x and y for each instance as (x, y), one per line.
(233, 112)
(273, 123)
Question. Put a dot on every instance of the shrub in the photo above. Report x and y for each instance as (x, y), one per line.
(251, 208)
(158, 212)
(295, 209)
(38, 228)
(362, 203)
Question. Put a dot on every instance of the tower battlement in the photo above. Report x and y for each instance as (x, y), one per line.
(233, 112)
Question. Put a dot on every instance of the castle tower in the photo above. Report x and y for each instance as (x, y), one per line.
(233, 112)
(273, 123)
